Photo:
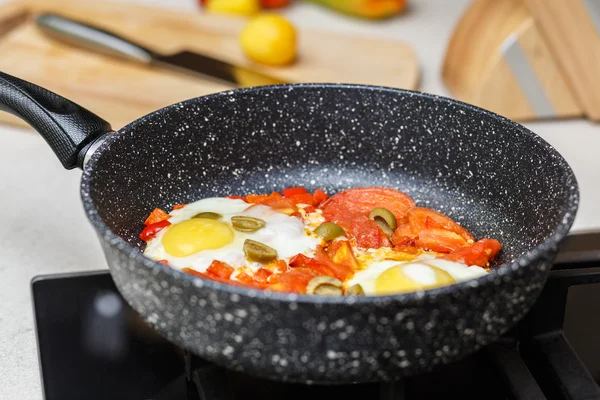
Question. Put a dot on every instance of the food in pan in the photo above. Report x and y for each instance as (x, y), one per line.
(362, 241)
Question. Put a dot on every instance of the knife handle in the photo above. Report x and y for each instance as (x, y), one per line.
(92, 38)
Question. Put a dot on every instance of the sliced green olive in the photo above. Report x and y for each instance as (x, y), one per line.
(208, 215)
(244, 223)
(259, 252)
(324, 286)
(385, 219)
(355, 290)
(329, 230)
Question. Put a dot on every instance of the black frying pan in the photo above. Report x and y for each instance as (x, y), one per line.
(495, 177)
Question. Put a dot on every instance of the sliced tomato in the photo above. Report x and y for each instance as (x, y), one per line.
(236, 197)
(479, 253)
(212, 277)
(245, 278)
(304, 198)
(361, 201)
(178, 206)
(294, 191)
(319, 196)
(151, 230)
(340, 252)
(367, 233)
(155, 216)
(302, 261)
(220, 269)
(263, 198)
(294, 280)
(421, 218)
(403, 236)
(262, 275)
(340, 271)
(440, 240)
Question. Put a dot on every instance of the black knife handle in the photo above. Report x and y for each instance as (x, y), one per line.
(67, 127)
(92, 38)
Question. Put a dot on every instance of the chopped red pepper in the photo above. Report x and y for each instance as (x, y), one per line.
(165, 262)
(237, 197)
(178, 206)
(302, 261)
(155, 216)
(294, 191)
(151, 230)
(220, 269)
(304, 198)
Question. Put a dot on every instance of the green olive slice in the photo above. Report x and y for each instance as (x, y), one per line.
(324, 286)
(329, 230)
(355, 290)
(244, 223)
(208, 215)
(385, 219)
(259, 252)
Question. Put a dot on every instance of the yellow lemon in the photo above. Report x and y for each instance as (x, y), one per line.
(269, 39)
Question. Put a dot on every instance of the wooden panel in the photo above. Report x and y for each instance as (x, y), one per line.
(573, 38)
(120, 91)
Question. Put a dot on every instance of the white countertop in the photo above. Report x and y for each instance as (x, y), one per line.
(43, 228)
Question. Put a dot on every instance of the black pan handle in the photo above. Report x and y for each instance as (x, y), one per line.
(68, 128)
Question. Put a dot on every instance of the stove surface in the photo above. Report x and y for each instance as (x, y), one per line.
(92, 345)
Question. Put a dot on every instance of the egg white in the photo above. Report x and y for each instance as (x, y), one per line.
(282, 232)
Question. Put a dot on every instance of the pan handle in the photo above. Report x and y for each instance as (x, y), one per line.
(68, 128)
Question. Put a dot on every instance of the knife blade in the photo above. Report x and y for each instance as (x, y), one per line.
(102, 41)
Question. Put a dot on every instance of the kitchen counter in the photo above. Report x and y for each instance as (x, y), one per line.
(44, 230)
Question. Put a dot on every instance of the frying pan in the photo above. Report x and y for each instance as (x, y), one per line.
(495, 177)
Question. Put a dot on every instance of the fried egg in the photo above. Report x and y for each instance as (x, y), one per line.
(423, 272)
(196, 242)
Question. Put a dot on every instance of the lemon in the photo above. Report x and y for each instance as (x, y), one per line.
(269, 39)
(239, 7)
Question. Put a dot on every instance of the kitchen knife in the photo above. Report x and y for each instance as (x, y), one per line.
(100, 40)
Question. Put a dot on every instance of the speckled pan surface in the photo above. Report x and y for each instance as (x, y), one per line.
(493, 176)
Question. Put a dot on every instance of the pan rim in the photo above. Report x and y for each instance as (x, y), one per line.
(548, 245)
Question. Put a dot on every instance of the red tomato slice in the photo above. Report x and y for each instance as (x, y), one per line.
(479, 253)
(155, 216)
(302, 261)
(319, 196)
(220, 269)
(305, 198)
(440, 240)
(178, 206)
(340, 252)
(361, 201)
(293, 191)
(403, 236)
(420, 218)
(340, 271)
(367, 233)
(262, 275)
(151, 230)
(294, 280)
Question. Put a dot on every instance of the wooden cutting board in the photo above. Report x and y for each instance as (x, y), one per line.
(121, 92)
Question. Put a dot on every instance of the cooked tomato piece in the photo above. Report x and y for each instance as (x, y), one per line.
(302, 261)
(178, 206)
(220, 269)
(155, 216)
(367, 233)
(293, 191)
(294, 280)
(263, 198)
(262, 275)
(403, 236)
(340, 271)
(319, 196)
(151, 230)
(440, 240)
(305, 198)
(340, 252)
(237, 197)
(420, 218)
(286, 206)
(212, 277)
(479, 253)
(309, 209)
(164, 262)
(245, 278)
(361, 201)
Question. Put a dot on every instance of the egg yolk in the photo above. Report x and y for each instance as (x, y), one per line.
(399, 279)
(194, 235)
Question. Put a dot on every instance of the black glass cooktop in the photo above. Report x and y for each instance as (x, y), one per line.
(92, 345)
